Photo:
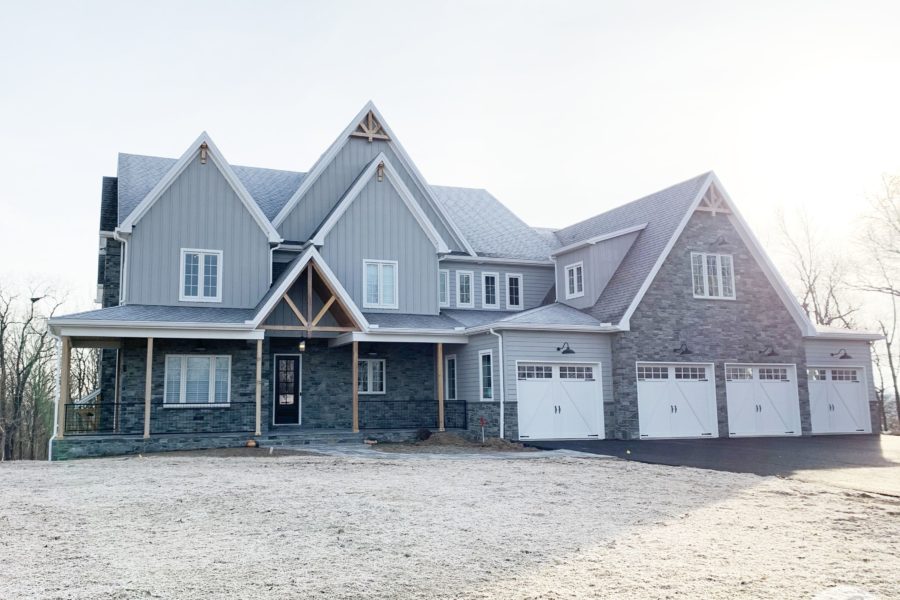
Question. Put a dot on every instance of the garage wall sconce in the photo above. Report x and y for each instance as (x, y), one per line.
(768, 351)
(565, 349)
(683, 349)
(841, 354)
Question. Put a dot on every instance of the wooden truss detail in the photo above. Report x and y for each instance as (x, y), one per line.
(713, 202)
(370, 129)
(309, 289)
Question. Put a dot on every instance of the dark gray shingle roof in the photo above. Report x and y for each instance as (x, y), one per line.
(164, 314)
(403, 321)
(552, 314)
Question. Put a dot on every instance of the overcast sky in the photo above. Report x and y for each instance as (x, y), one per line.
(560, 109)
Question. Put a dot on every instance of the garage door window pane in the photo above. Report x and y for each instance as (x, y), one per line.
(844, 375)
(817, 374)
(738, 373)
(649, 373)
(773, 374)
(698, 373)
(583, 373)
(535, 372)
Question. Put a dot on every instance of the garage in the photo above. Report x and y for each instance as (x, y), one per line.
(838, 400)
(676, 400)
(762, 400)
(559, 401)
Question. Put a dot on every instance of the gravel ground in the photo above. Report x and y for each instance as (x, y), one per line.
(537, 526)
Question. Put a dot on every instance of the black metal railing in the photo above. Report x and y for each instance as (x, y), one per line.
(127, 418)
(409, 414)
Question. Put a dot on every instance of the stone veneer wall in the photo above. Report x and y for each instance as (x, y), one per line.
(110, 269)
(717, 331)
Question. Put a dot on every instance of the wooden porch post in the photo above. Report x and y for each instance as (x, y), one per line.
(148, 386)
(259, 345)
(440, 385)
(355, 386)
(65, 359)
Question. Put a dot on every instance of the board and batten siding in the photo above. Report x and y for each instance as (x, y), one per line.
(379, 226)
(536, 282)
(337, 178)
(199, 210)
(818, 354)
(468, 378)
(600, 263)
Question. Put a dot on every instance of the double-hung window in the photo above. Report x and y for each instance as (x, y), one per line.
(451, 377)
(380, 278)
(712, 275)
(489, 292)
(513, 291)
(575, 280)
(465, 295)
(444, 287)
(486, 374)
(197, 380)
(370, 376)
(201, 279)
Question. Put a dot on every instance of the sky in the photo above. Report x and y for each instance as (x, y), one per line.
(561, 109)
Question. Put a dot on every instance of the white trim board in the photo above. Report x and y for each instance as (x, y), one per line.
(186, 159)
(597, 239)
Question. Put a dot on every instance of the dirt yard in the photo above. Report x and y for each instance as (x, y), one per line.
(422, 526)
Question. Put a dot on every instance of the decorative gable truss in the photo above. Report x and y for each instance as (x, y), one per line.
(713, 201)
(204, 148)
(370, 128)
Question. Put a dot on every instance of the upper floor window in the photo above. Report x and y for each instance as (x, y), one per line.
(464, 295)
(370, 376)
(193, 379)
(489, 295)
(381, 284)
(513, 291)
(575, 280)
(444, 287)
(712, 275)
(200, 275)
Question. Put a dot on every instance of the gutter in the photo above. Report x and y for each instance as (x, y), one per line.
(502, 382)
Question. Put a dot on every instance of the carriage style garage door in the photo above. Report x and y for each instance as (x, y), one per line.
(559, 401)
(676, 400)
(762, 400)
(838, 400)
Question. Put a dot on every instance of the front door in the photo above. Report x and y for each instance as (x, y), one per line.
(287, 389)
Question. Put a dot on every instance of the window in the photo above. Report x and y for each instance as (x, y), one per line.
(193, 379)
(370, 376)
(513, 291)
(200, 275)
(696, 373)
(738, 373)
(444, 288)
(380, 278)
(581, 373)
(464, 296)
(486, 370)
(489, 290)
(575, 280)
(773, 373)
(844, 375)
(535, 372)
(712, 275)
(451, 377)
(817, 374)
(650, 373)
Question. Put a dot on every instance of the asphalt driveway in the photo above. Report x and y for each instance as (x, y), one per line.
(868, 463)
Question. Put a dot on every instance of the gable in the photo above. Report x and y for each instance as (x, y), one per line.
(600, 262)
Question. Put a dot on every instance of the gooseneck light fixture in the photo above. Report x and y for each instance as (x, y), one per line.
(768, 351)
(565, 349)
(841, 354)
(682, 349)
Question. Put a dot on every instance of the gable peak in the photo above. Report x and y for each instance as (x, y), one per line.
(370, 128)
(714, 201)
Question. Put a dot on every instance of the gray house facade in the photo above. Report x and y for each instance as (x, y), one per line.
(357, 301)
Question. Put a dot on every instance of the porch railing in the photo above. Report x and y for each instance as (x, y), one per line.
(127, 418)
(409, 414)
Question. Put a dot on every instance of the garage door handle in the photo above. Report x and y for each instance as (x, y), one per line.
(676, 409)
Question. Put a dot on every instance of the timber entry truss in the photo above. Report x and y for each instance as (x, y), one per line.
(310, 305)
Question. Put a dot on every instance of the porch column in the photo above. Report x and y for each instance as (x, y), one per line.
(148, 386)
(440, 385)
(259, 344)
(355, 386)
(65, 359)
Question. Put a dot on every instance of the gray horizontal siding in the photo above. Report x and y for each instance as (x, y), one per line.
(199, 210)
(818, 354)
(467, 366)
(600, 263)
(537, 281)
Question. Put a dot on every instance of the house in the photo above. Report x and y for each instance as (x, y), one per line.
(357, 300)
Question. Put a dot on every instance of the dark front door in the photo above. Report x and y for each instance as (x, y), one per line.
(287, 389)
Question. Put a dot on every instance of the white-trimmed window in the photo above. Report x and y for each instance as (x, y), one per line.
(370, 375)
(738, 373)
(844, 375)
(201, 275)
(773, 373)
(444, 287)
(712, 275)
(514, 291)
(381, 286)
(575, 280)
(697, 373)
(197, 380)
(651, 373)
(490, 290)
(450, 375)
(526, 372)
(576, 372)
(465, 295)
(486, 374)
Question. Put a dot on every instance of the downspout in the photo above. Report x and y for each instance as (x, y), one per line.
(123, 265)
(502, 381)
(272, 250)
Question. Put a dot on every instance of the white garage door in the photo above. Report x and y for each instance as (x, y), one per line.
(676, 400)
(838, 400)
(762, 400)
(559, 401)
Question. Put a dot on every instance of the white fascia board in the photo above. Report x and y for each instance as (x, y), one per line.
(597, 239)
(411, 336)
(849, 335)
(187, 332)
(394, 178)
(541, 327)
(478, 260)
(180, 165)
